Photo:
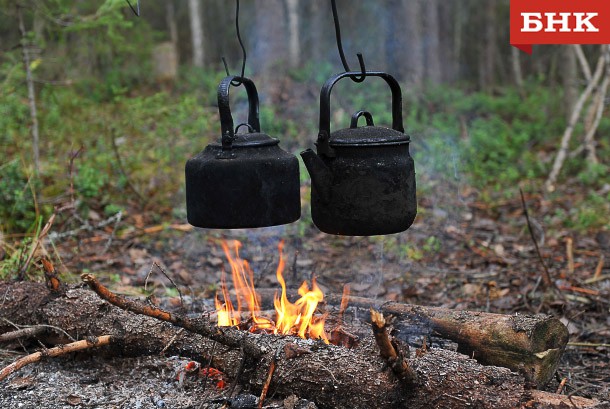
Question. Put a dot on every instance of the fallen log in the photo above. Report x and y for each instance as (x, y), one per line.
(331, 376)
(532, 344)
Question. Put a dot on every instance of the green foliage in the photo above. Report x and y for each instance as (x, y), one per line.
(17, 202)
(89, 181)
(593, 173)
(487, 138)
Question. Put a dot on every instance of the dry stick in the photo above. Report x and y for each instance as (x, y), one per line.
(51, 327)
(562, 384)
(117, 156)
(36, 243)
(272, 366)
(397, 362)
(50, 275)
(54, 352)
(28, 332)
(570, 255)
(344, 301)
(73, 156)
(228, 336)
(546, 275)
(599, 267)
(567, 135)
(118, 216)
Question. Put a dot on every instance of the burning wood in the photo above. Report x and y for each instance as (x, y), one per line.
(291, 318)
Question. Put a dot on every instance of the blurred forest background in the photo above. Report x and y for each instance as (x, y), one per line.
(100, 109)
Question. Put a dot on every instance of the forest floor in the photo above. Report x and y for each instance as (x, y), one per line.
(464, 254)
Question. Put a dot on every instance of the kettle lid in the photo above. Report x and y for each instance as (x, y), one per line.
(251, 139)
(369, 136)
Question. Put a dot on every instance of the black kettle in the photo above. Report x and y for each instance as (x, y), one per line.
(363, 178)
(246, 180)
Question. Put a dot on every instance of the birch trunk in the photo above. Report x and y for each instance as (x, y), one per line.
(196, 32)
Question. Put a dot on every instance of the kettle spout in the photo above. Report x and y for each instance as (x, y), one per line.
(321, 176)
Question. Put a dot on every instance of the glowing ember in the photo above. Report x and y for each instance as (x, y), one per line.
(297, 319)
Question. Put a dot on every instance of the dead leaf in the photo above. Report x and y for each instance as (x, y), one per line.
(74, 400)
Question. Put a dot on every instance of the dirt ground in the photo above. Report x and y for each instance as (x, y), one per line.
(466, 255)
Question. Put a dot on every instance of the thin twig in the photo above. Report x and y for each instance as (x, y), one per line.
(37, 239)
(587, 345)
(272, 366)
(562, 384)
(172, 340)
(28, 332)
(599, 267)
(54, 352)
(117, 155)
(546, 275)
(53, 327)
(162, 270)
(570, 255)
(73, 156)
(119, 216)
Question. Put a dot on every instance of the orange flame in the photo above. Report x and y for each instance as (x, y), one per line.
(297, 318)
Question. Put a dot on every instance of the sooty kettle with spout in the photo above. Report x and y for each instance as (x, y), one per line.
(363, 178)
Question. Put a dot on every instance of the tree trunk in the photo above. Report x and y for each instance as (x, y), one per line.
(569, 79)
(413, 42)
(488, 56)
(197, 38)
(31, 91)
(330, 376)
(396, 48)
(170, 19)
(433, 48)
(448, 17)
(294, 40)
(516, 62)
(270, 47)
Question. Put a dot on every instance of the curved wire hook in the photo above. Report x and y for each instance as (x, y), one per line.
(340, 48)
(237, 82)
(136, 11)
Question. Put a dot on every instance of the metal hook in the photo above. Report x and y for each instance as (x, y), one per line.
(237, 82)
(340, 48)
(136, 11)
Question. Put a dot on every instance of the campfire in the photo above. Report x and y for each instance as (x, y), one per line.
(296, 318)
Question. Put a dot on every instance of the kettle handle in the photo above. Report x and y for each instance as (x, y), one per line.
(224, 108)
(324, 129)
